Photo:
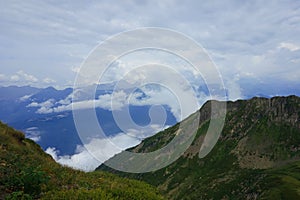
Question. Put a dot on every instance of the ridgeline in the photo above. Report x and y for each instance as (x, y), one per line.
(256, 157)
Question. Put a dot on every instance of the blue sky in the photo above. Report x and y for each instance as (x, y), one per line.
(255, 44)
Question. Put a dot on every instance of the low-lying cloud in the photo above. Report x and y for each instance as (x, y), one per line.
(103, 149)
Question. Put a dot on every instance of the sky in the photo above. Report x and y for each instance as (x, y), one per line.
(255, 46)
(43, 43)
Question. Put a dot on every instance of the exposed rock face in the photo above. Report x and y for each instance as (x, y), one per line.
(280, 109)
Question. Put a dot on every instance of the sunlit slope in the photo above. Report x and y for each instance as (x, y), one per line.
(29, 173)
(256, 157)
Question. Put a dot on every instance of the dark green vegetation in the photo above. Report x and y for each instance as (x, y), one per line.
(256, 157)
(26, 172)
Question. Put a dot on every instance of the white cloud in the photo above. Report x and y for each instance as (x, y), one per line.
(216, 25)
(82, 160)
(102, 149)
(120, 99)
(15, 78)
(103, 101)
(160, 96)
(48, 80)
(164, 88)
(44, 107)
(27, 77)
(289, 46)
(25, 97)
(33, 133)
(19, 78)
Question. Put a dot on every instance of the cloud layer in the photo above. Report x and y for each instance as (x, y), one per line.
(102, 149)
(252, 40)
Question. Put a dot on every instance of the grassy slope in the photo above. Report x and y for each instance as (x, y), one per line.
(27, 172)
(256, 157)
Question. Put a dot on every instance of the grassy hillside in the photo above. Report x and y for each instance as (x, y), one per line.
(26, 172)
(256, 157)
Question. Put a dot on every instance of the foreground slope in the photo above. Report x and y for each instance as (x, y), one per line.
(27, 172)
(256, 157)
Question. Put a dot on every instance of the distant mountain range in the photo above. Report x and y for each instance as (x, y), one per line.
(32, 110)
(256, 157)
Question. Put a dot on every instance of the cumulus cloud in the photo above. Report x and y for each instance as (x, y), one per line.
(82, 160)
(19, 78)
(26, 76)
(43, 107)
(178, 81)
(158, 96)
(97, 151)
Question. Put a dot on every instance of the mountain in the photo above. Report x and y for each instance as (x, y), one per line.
(26, 172)
(15, 92)
(30, 110)
(256, 157)
(51, 93)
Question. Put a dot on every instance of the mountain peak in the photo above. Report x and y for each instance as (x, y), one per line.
(258, 146)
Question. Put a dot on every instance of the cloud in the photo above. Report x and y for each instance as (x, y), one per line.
(48, 80)
(25, 97)
(103, 101)
(288, 46)
(158, 96)
(26, 77)
(215, 25)
(177, 98)
(15, 78)
(33, 133)
(43, 107)
(82, 160)
(102, 149)
(177, 79)
(19, 78)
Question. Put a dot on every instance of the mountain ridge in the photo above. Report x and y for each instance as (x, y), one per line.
(27, 172)
(256, 157)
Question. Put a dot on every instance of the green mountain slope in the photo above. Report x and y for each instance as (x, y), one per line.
(256, 157)
(26, 172)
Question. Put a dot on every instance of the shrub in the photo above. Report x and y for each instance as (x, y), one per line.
(18, 196)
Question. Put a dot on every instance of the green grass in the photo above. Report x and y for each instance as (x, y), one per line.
(26, 172)
(269, 136)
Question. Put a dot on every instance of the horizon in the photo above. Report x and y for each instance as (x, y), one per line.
(262, 95)
(263, 50)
